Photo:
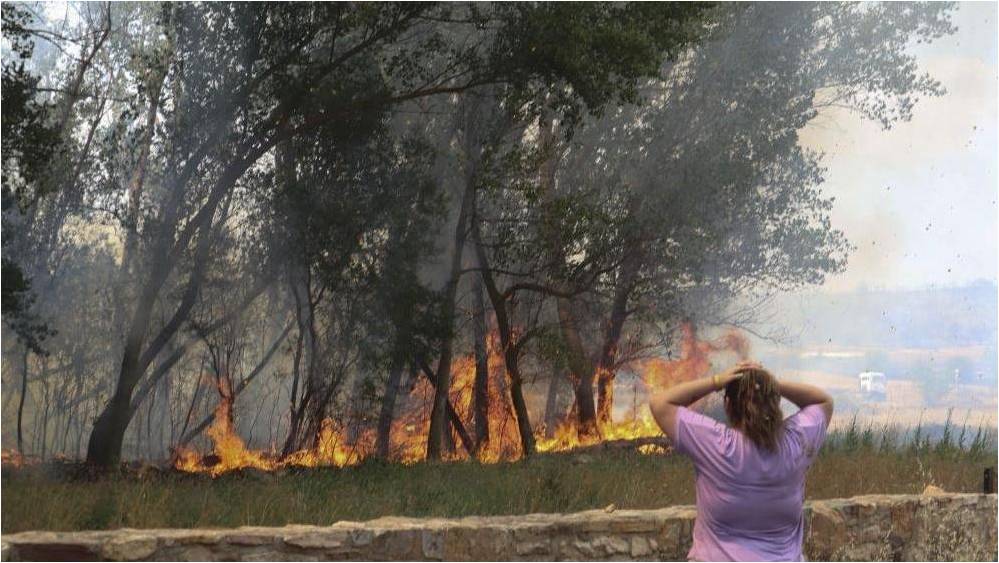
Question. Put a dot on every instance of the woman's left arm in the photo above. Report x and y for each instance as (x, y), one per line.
(665, 404)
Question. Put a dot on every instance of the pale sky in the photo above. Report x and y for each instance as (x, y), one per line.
(919, 200)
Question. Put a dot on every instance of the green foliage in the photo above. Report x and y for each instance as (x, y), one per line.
(29, 140)
(18, 299)
(575, 57)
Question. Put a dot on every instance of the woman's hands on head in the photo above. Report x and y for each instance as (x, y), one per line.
(665, 404)
(736, 371)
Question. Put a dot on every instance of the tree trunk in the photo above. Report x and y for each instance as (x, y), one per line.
(104, 447)
(137, 181)
(452, 415)
(520, 409)
(20, 403)
(46, 402)
(438, 415)
(386, 416)
(194, 399)
(625, 284)
(551, 405)
(239, 388)
(480, 396)
(511, 349)
(296, 370)
(580, 368)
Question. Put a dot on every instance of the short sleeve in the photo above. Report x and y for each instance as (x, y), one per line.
(810, 424)
(700, 437)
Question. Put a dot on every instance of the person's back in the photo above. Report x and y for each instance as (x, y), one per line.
(749, 500)
(750, 478)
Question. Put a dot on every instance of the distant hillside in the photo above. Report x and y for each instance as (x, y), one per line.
(924, 318)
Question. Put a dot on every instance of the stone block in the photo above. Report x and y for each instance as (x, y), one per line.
(471, 542)
(432, 544)
(319, 539)
(129, 547)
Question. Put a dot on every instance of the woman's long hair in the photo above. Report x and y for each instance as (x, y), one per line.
(752, 403)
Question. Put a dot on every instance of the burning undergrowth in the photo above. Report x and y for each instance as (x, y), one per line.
(338, 445)
(335, 446)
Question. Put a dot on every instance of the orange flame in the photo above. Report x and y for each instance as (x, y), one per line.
(410, 427)
(656, 373)
(10, 457)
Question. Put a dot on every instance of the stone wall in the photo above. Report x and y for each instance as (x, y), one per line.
(877, 527)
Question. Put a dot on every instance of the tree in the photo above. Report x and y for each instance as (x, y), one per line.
(237, 86)
(713, 197)
(353, 196)
(577, 59)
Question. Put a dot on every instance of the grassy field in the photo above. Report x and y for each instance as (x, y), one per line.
(854, 461)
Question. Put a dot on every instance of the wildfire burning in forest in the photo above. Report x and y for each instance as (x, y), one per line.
(335, 446)
(13, 458)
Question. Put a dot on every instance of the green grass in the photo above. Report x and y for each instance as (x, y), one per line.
(853, 462)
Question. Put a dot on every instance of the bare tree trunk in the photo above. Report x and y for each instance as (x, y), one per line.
(307, 349)
(106, 438)
(104, 448)
(46, 401)
(137, 181)
(606, 366)
(194, 398)
(480, 395)
(64, 440)
(511, 349)
(551, 405)
(581, 369)
(20, 403)
(166, 420)
(438, 416)
(239, 388)
(386, 416)
(452, 415)
(147, 442)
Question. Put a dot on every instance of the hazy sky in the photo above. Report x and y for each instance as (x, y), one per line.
(919, 200)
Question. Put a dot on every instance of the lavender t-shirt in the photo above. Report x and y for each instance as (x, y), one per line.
(749, 501)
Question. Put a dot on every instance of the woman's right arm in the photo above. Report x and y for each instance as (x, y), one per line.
(803, 395)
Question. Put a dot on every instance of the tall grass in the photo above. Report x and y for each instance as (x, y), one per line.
(889, 438)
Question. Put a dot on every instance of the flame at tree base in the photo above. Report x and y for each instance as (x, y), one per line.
(332, 448)
(230, 453)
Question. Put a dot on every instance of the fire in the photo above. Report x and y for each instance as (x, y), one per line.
(656, 373)
(694, 360)
(411, 425)
(229, 449)
(409, 430)
(332, 449)
(13, 458)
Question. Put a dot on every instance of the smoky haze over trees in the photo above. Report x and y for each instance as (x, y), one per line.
(303, 211)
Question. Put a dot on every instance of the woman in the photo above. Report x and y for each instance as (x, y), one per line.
(750, 476)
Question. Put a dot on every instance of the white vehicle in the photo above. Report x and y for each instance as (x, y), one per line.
(873, 384)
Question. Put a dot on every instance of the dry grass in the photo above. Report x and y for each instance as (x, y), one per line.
(853, 462)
